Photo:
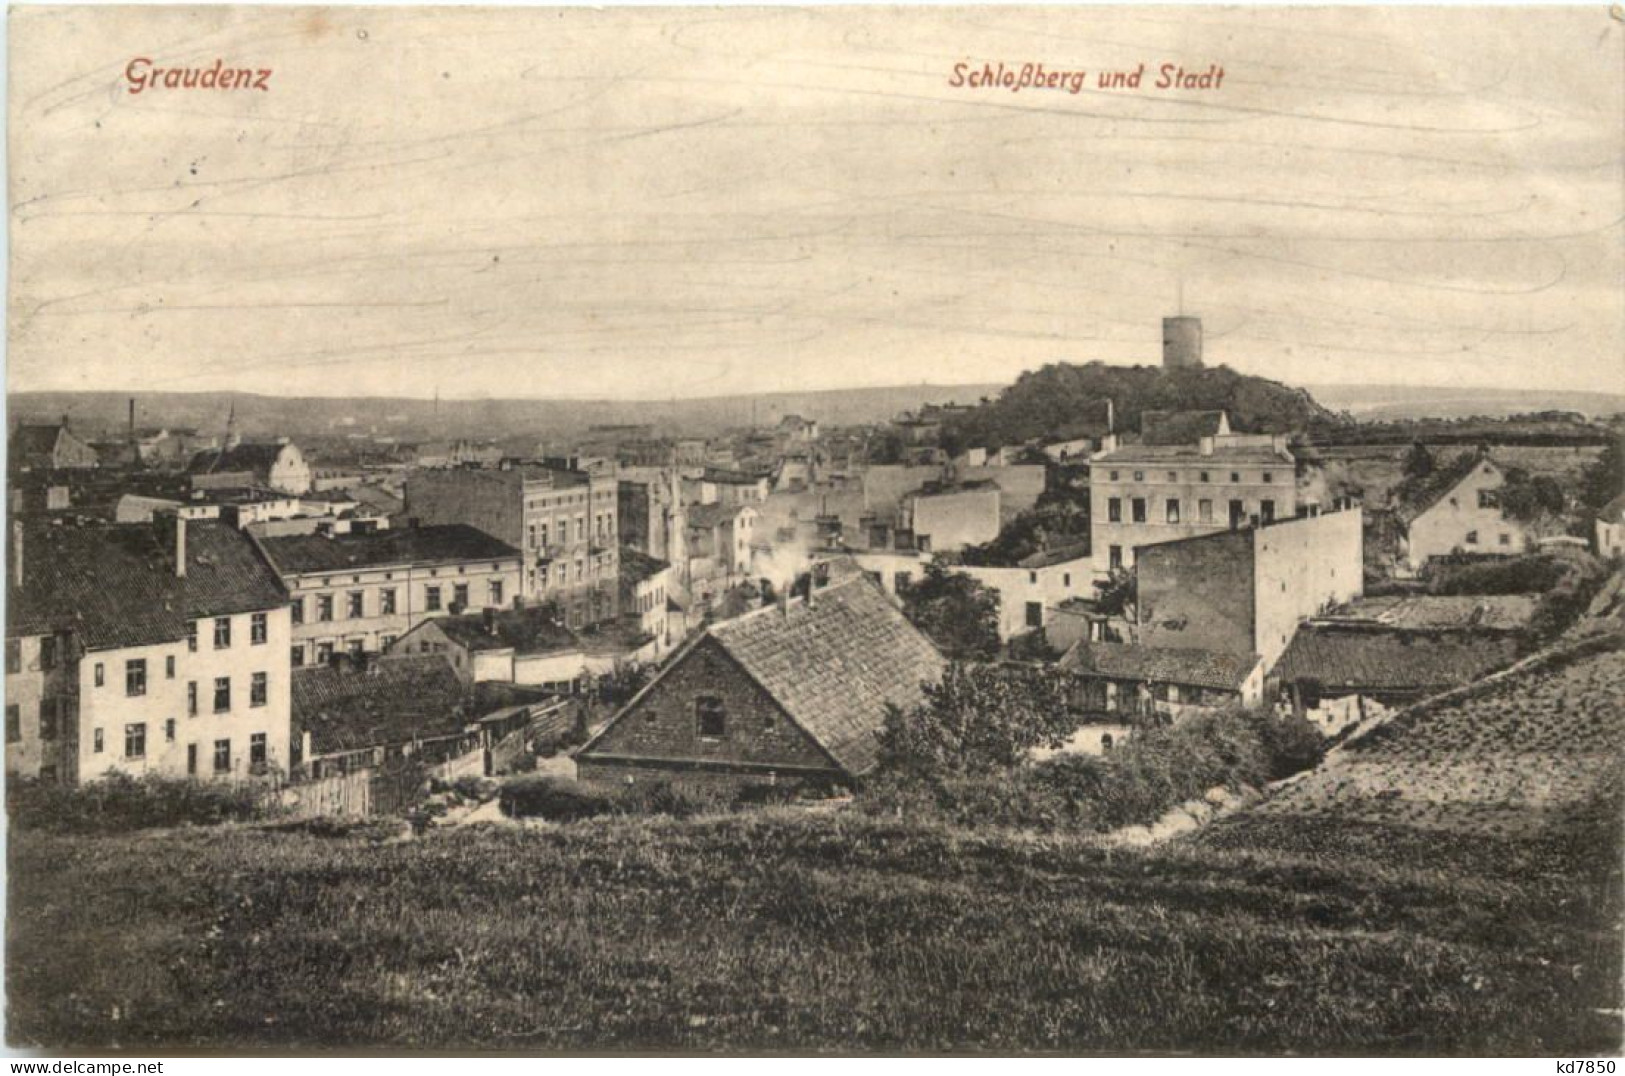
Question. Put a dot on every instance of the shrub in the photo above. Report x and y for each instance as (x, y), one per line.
(557, 799)
(1518, 575)
(119, 803)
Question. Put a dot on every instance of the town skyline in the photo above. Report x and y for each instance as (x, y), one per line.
(784, 200)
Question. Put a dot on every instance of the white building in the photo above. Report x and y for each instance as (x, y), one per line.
(1031, 593)
(1458, 510)
(155, 648)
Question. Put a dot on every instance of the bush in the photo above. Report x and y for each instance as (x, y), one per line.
(119, 803)
(1518, 575)
(557, 799)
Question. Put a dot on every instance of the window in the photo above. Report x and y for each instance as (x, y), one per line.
(191, 636)
(191, 760)
(191, 699)
(258, 629)
(324, 607)
(353, 605)
(1238, 514)
(1489, 498)
(902, 580)
(14, 655)
(135, 676)
(47, 652)
(1106, 743)
(1268, 477)
(222, 694)
(47, 719)
(1139, 476)
(387, 641)
(169, 667)
(1204, 478)
(101, 674)
(1114, 476)
(1137, 507)
(1266, 511)
(324, 653)
(431, 599)
(1066, 580)
(386, 601)
(296, 655)
(1035, 614)
(14, 723)
(1173, 476)
(493, 592)
(356, 647)
(256, 752)
(96, 743)
(1032, 577)
(459, 595)
(1472, 537)
(169, 730)
(1114, 510)
(1172, 510)
(1204, 511)
(1505, 539)
(710, 717)
(222, 632)
(297, 609)
(222, 756)
(135, 740)
(257, 686)
(1235, 476)
(1115, 557)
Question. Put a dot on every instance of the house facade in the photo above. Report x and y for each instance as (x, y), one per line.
(511, 646)
(946, 520)
(1610, 528)
(1031, 593)
(49, 447)
(155, 648)
(791, 693)
(1145, 494)
(357, 593)
(281, 467)
(564, 523)
(1458, 510)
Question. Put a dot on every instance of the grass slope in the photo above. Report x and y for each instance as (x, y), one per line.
(1371, 913)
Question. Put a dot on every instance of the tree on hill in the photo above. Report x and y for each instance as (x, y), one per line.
(1062, 400)
(1604, 479)
(1418, 462)
(957, 613)
(980, 719)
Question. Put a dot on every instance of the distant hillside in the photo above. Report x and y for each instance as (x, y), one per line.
(1048, 402)
(106, 413)
(1369, 402)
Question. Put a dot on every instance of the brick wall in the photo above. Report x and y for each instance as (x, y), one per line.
(1198, 593)
(663, 724)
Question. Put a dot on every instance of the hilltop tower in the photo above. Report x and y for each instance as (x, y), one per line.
(1182, 343)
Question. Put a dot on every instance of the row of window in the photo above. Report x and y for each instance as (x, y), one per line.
(1501, 539)
(1202, 476)
(135, 747)
(322, 651)
(258, 632)
(355, 603)
(49, 712)
(603, 527)
(1172, 511)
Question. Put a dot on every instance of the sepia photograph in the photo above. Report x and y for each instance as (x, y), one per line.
(815, 530)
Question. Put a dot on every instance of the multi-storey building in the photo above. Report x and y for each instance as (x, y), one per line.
(563, 522)
(157, 648)
(359, 592)
(1143, 494)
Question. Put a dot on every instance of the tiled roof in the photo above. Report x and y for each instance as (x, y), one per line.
(1161, 665)
(1179, 427)
(447, 543)
(245, 457)
(394, 700)
(34, 442)
(1423, 612)
(531, 630)
(1614, 510)
(836, 664)
(116, 585)
(1416, 497)
(1392, 660)
(636, 565)
(705, 516)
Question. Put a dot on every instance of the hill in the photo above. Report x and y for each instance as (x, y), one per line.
(1369, 402)
(1048, 403)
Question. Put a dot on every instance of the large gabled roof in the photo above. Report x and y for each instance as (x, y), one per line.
(1377, 660)
(116, 586)
(255, 457)
(834, 665)
(526, 631)
(1417, 496)
(447, 543)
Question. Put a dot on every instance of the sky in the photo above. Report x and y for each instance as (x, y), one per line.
(690, 202)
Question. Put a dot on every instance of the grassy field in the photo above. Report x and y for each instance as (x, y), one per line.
(1326, 922)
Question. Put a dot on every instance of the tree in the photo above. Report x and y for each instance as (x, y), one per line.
(1119, 593)
(957, 613)
(1418, 462)
(1604, 478)
(1527, 498)
(980, 718)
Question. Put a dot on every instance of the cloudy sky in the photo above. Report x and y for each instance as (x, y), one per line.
(531, 202)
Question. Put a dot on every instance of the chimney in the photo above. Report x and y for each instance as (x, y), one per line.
(1207, 445)
(1111, 416)
(180, 546)
(17, 552)
(132, 420)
